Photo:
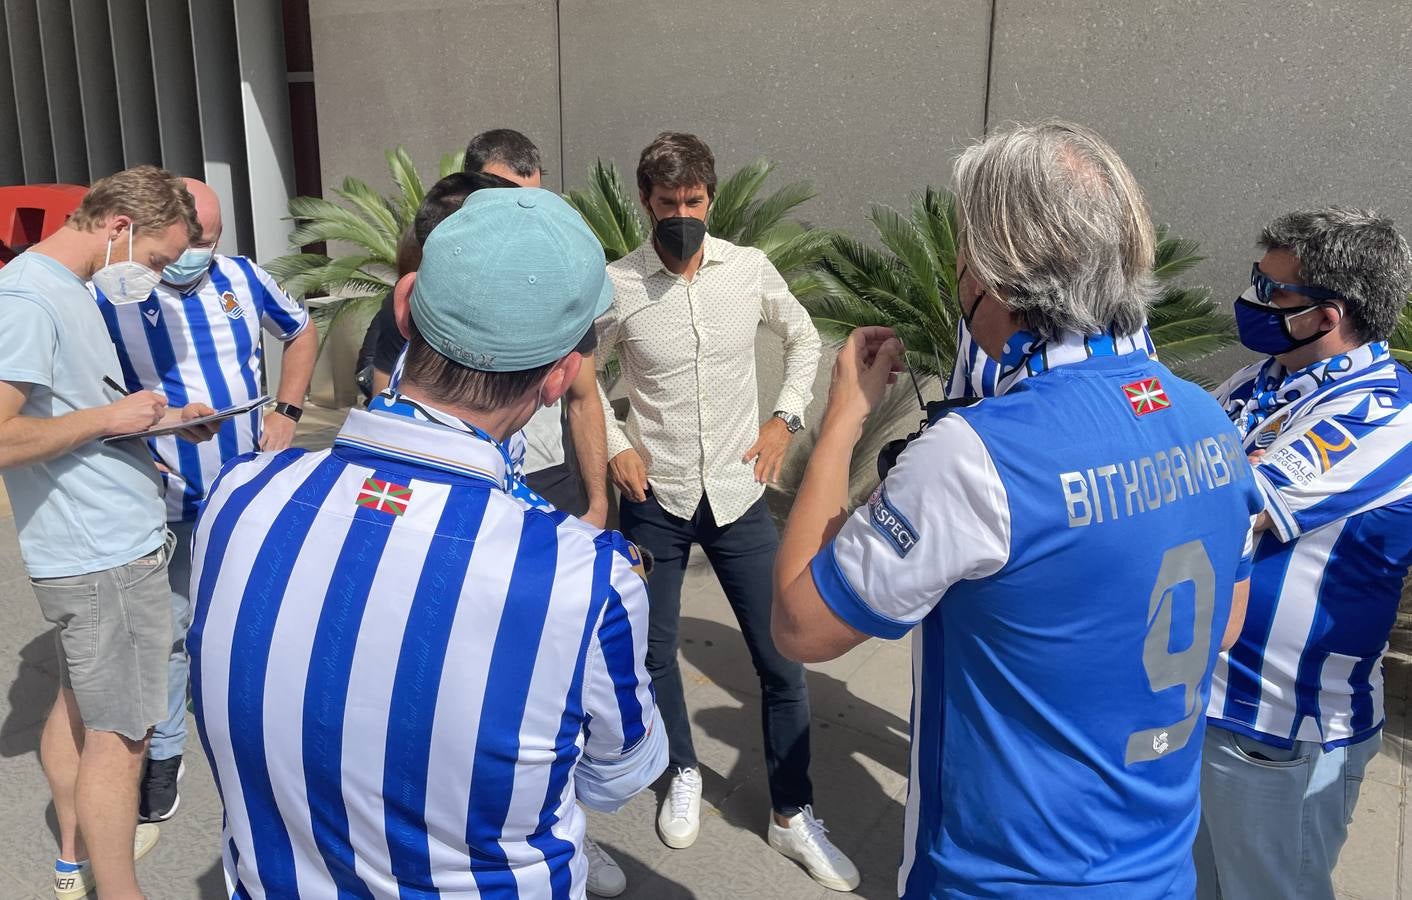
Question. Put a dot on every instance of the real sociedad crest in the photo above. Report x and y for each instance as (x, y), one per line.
(232, 309)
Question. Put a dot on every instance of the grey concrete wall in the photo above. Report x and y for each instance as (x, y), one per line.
(428, 74)
(866, 100)
(1228, 113)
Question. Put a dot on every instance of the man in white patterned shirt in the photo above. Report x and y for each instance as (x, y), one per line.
(693, 463)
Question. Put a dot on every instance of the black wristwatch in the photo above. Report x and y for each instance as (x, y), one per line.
(289, 410)
(791, 421)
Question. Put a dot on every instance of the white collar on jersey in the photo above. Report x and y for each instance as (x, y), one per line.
(424, 443)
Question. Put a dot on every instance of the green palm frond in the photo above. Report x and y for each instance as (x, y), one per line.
(1174, 255)
(368, 225)
(322, 220)
(344, 276)
(935, 214)
(906, 241)
(450, 163)
(609, 211)
(763, 216)
(1401, 340)
(726, 219)
(371, 206)
(798, 251)
(909, 284)
(285, 267)
(410, 189)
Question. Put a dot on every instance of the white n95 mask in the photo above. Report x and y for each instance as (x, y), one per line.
(125, 282)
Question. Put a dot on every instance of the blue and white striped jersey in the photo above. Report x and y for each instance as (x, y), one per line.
(404, 677)
(1064, 557)
(1337, 481)
(202, 345)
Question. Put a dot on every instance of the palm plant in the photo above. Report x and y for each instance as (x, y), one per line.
(738, 214)
(910, 285)
(366, 226)
(1401, 340)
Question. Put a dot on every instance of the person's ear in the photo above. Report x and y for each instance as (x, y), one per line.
(118, 226)
(402, 303)
(1335, 320)
(646, 199)
(561, 376)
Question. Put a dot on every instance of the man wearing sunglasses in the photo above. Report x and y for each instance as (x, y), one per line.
(1297, 703)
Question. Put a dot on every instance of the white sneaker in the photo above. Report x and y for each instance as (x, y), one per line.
(679, 820)
(73, 881)
(806, 842)
(605, 876)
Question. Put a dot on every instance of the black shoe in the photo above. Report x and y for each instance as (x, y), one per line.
(158, 792)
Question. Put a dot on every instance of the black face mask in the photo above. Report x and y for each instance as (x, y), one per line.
(968, 316)
(680, 236)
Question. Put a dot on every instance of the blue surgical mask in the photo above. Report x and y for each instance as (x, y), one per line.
(1264, 328)
(192, 264)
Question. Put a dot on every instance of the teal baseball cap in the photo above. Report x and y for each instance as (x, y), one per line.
(511, 281)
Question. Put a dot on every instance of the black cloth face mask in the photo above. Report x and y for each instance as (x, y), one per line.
(680, 236)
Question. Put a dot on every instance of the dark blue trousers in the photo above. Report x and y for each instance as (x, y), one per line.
(743, 556)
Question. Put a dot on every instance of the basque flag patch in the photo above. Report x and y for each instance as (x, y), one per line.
(384, 496)
(1146, 396)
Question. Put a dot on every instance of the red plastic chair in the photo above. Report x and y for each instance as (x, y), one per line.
(29, 213)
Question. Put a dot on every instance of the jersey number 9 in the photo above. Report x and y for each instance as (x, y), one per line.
(1188, 562)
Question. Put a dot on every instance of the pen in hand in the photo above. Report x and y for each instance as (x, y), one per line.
(114, 385)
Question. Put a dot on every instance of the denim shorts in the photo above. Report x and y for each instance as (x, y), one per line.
(114, 636)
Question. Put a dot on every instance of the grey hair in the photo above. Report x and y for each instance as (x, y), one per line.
(1052, 219)
(1355, 253)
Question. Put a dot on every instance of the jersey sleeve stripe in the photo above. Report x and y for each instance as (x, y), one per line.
(1378, 487)
(1280, 518)
(840, 597)
(268, 304)
(615, 636)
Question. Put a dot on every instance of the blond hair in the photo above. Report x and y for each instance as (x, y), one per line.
(154, 199)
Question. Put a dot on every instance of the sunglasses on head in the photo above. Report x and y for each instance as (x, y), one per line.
(1265, 287)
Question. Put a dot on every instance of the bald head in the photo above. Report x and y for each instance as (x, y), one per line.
(208, 211)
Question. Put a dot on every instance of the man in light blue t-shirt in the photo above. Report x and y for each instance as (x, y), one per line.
(91, 521)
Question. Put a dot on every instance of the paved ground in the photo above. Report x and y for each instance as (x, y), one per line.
(860, 759)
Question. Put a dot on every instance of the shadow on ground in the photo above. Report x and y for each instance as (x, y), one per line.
(643, 881)
(30, 697)
(854, 745)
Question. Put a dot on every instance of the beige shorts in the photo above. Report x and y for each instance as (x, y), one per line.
(114, 637)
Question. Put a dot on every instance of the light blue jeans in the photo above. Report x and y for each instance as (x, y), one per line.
(1274, 826)
(169, 737)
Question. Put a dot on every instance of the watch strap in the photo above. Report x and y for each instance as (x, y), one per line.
(790, 420)
(289, 410)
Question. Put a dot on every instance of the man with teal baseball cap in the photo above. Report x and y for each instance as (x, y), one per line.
(509, 283)
(434, 645)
